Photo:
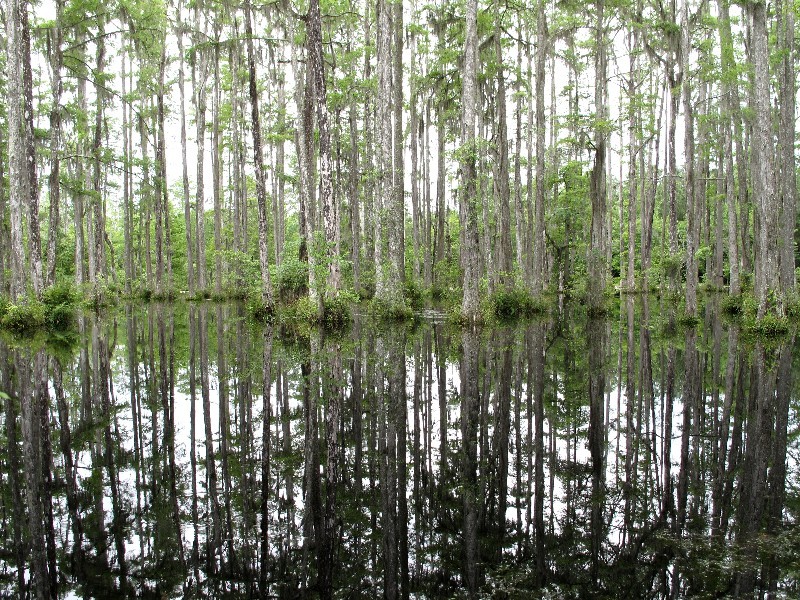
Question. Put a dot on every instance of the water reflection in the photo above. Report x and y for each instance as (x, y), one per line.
(181, 451)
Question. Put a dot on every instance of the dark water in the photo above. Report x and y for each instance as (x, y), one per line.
(621, 458)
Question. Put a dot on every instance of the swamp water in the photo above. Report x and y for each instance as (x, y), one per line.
(145, 456)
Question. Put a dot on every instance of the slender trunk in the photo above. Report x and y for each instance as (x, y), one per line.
(330, 208)
(369, 213)
(216, 168)
(786, 143)
(519, 210)
(414, 126)
(633, 139)
(54, 182)
(4, 233)
(692, 201)
(127, 185)
(502, 188)
(161, 178)
(387, 235)
(767, 204)
(34, 237)
(261, 183)
(18, 179)
(597, 182)
(355, 210)
(199, 81)
(539, 224)
(397, 213)
(468, 202)
(280, 175)
(97, 216)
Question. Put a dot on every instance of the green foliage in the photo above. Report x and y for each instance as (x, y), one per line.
(291, 279)
(55, 311)
(733, 305)
(336, 313)
(792, 303)
(301, 312)
(514, 303)
(769, 326)
(261, 312)
(688, 321)
(413, 293)
(63, 293)
(671, 265)
(300, 316)
(24, 318)
(391, 312)
(597, 311)
(457, 318)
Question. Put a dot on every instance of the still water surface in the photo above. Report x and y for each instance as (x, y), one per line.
(182, 451)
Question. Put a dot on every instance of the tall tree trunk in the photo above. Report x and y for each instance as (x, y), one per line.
(387, 238)
(18, 178)
(767, 203)
(216, 166)
(261, 183)
(127, 183)
(692, 213)
(542, 42)
(161, 177)
(54, 183)
(633, 139)
(519, 210)
(330, 208)
(414, 127)
(187, 207)
(355, 209)
(280, 175)
(34, 237)
(597, 182)
(4, 233)
(97, 215)
(468, 201)
(397, 213)
(786, 143)
(369, 134)
(199, 82)
(501, 187)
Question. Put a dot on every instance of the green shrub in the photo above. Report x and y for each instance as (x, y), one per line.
(63, 293)
(595, 311)
(688, 321)
(793, 307)
(514, 303)
(438, 293)
(302, 311)
(336, 313)
(61, 316)
(733, 305)
(291, 279)
(415, 298)
(770, 326)
(24, 318)
(394, 311)
(261, 312)
(672, 265)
